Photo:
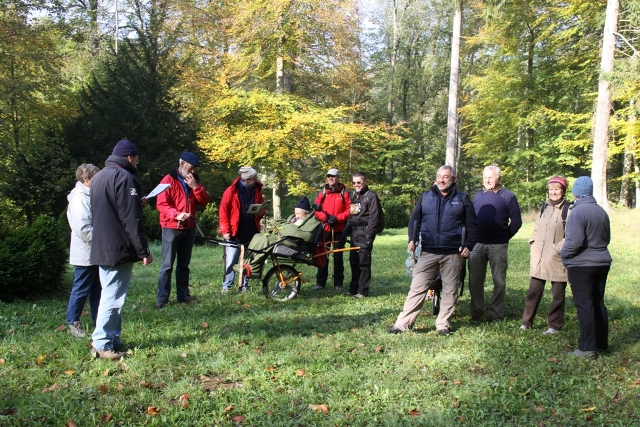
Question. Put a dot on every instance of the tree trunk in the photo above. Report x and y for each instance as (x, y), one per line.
(603, 107)
(392, 68)
(454, 78)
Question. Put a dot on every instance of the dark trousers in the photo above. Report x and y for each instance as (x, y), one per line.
(588, 285)
(175, 244)
(86, 283)
(338, 262)
(360, 262)
(532, 301)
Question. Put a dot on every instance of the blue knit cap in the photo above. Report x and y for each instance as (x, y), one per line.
(125, 148)
(582, 187)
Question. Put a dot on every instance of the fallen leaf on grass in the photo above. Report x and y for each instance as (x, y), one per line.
(238, 419)
(205, 325)
(146, 384)
(457, 383)
(106, 418)
(300, 372)
(105, 373)
(320, 335)
(61, 328)
(414, 413)
(553, 359)
(589, 409)
(270, 368)
(1, 361)
(319, 408)
(153, 410)
(103, 388)
(246, 306)
(71, 423)
(257, 351)
(378, 349)
(40, 359)
(183, 355)
(228, 408)
(184, 400)
(84, 313)
(53, 387)
(70, 372)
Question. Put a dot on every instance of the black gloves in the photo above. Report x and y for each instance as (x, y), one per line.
(332, 220)
(342, 240)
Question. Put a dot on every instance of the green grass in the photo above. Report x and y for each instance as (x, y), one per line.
(245, 360)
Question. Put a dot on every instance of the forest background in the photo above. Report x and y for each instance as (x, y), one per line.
(294, 88)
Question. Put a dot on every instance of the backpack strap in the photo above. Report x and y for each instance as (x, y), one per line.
(324, 194)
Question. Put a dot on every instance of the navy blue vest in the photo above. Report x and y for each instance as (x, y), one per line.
(442, 222)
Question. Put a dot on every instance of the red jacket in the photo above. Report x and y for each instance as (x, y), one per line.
(172, 201)
(335, 204)
(230, 208)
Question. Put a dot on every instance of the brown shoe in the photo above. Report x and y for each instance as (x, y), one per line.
(189, 300)
(107, 354)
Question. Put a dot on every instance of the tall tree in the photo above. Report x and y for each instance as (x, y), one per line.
(603, 106)
(34, 101)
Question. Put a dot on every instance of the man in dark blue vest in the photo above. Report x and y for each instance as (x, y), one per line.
(499, 220)
(437, 225)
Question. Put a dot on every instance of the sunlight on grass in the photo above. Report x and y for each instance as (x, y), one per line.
(244, 360)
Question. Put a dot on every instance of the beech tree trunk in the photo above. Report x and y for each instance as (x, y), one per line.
(454, 78)
(603, 107)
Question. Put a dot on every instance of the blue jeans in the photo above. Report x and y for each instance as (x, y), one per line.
(86, 283)
(175, 244)
(115, 284)
(232, 257)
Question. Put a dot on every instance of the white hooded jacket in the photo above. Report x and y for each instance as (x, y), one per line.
(80, 219)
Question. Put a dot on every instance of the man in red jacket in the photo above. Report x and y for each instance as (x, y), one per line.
(335, 201)
(177, 206)
(236, 224)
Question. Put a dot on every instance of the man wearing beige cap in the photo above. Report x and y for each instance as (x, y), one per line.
(334, 201)
(236, 224)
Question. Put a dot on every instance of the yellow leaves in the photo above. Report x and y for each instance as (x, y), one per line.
(588, 409)
(69, 372)
(319, 408)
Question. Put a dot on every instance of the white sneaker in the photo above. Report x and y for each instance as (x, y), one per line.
(523, 327)
(551, 331)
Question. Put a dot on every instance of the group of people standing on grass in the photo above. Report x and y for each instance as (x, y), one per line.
(357, 216)
(569, 243)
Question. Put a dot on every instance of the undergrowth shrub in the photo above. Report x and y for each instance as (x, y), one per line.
(396, 214)
(152, 223)
(32, 260)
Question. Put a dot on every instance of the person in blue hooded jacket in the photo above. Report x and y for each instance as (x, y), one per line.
(587, 259)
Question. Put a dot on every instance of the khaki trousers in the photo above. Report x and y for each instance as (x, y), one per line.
(425, 270)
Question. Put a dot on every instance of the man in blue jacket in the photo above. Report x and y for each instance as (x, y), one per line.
(438, 219)
(499, 220)
(118, 241)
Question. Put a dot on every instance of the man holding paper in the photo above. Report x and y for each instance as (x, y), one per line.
(237, 224)
(177, 206)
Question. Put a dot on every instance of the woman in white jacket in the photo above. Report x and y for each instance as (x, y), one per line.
(546, 242)
(86, 281)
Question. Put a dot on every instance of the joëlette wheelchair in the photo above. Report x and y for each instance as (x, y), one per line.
(283, 281)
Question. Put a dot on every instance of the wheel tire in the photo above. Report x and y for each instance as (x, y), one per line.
(436, 303)
(272, 285)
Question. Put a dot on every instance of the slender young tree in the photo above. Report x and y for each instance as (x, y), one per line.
(603, 106)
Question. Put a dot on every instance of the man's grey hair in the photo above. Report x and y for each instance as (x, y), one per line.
(86, 171)
(451, 169)
(492, 168)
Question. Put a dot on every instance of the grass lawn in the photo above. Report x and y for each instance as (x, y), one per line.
(324, 359)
